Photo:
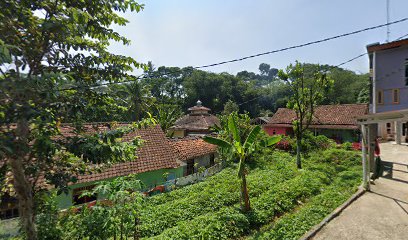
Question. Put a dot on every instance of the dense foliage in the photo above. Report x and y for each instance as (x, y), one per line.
(256, 93)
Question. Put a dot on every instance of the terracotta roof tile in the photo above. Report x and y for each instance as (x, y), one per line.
(343, 116)
(155, 153)
(190, 148)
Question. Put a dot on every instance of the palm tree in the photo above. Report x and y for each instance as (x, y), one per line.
(243, 151)
(166, 115)
(137, 98)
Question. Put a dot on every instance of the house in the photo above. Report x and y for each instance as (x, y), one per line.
(388, 116)
(156, 160)
(197, 122)
(194, 153)
(338, 122)
(389, 86)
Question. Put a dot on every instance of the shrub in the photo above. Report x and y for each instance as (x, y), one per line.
(347, 146)
(337, 156)
(286, 144)
(309, 143)
(228, 223)
(320, 142)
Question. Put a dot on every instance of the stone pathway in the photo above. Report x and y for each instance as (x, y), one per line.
(381, 213)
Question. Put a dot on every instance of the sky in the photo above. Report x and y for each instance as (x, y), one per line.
(184, 33)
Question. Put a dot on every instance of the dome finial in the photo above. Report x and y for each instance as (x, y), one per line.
(199, 103)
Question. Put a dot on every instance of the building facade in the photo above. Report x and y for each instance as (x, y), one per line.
(389, 86)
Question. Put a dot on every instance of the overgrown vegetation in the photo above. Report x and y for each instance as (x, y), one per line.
(285, 202)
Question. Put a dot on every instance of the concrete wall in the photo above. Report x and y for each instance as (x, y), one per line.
(148, 178)
(390, 74)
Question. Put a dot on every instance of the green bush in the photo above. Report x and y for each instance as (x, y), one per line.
(347, 146)
(312, 143)
(337, 157)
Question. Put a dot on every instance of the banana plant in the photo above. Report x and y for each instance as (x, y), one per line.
(242, 150)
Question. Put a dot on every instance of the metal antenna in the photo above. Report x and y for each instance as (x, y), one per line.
(388, 20)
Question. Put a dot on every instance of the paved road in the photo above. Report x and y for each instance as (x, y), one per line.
(381, 213)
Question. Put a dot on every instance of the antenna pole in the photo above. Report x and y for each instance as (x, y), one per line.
(388, 20)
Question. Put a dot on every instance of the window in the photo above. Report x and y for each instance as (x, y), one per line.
(404, 129)
(395, 96)
(380, 97)
(78, 199)
(406, 72)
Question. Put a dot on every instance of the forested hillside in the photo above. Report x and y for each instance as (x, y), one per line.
(176, 88)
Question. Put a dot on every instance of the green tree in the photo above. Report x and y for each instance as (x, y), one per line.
(230, 107)
(47, 46)
(243, 150)
(167, 83)
(136, 96)
(346, 84)
(264, 68)
(308, 90)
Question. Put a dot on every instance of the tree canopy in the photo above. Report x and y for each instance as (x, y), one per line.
(53, 53)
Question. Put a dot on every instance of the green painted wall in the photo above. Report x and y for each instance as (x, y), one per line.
(148, 178)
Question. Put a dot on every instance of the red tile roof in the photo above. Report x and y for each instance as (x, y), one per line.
(155, 153)
(343, 116)
(190, 148)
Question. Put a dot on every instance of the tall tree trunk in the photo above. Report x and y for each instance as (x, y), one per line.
(21, 184)
(298, 152)
(244, 193)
